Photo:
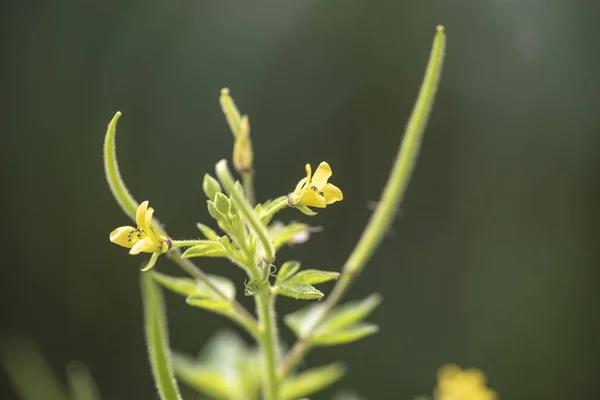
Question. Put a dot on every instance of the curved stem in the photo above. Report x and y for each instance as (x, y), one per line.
(391, 198)
(246, 210)
(276, 205)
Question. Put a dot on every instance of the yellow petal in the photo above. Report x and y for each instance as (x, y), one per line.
(140, 214)
(147, 223)
(122, 236)
(300, 185)
(308, 173)
(321, 176)
(146, 245)
(332, 193)
(312, 199)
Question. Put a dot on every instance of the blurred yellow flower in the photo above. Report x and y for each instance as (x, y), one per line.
(143, 238)
(314, 191)
(455, 383)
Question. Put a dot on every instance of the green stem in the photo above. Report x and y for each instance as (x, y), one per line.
(246, 210)
(187, 243)
(391, 198)
(268, 344)
(276, 205)
(248, 182)
(242, 316)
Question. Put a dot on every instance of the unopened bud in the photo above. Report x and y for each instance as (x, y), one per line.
(211, 187)
(242, 148)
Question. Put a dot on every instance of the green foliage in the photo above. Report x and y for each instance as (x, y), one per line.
(226, 369)
(311, 381)
(229, 369)
(342, 325)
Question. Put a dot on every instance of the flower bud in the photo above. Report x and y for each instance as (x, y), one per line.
(211, 186)
(242, 148)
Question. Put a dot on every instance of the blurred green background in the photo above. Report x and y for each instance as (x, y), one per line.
(492, 262)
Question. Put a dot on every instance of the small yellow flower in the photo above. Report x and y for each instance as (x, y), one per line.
(143, 238)
(314, 191)
(455, 383)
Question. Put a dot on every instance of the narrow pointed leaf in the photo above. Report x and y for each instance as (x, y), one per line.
(288, 269)
(284, 234)
(313, 277)
(222, 203)
(300, 291)
(303, 319)
(225, 285)
(157, 339)
(183, 286)
(306, 211)
(208, 248)
(208, 232)
(151, 262)
(203, 379)
(308, 382)
(218, 306)
(350, 313)
(346, 335)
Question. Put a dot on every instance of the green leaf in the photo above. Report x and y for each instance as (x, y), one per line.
(81, 384)
(208, 248)
(350, 313)
(222, 203)
(208, 232)
(303, 319)
(288, 269)
(311, 381)
(190, 287)
(218, 306)
(216, 214)
(313, 277)
(306, 211)
(151, 262)
(210, 186)
(300, 291)
(113, 176)
(204, 379)
(256, 286)
(157, 339)
(183, 286)
(284, 234)
(346, 335)
(224, 285)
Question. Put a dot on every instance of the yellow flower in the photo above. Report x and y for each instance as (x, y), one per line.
(143, 238)
(455, 383)
(314, 191)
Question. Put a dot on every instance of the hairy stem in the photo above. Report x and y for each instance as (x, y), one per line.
(268, 344)
(248, 183)
(391, 198)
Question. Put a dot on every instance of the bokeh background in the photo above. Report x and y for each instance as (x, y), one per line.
(492, 262)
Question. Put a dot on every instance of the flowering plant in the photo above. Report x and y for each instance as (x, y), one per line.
(250, 238)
